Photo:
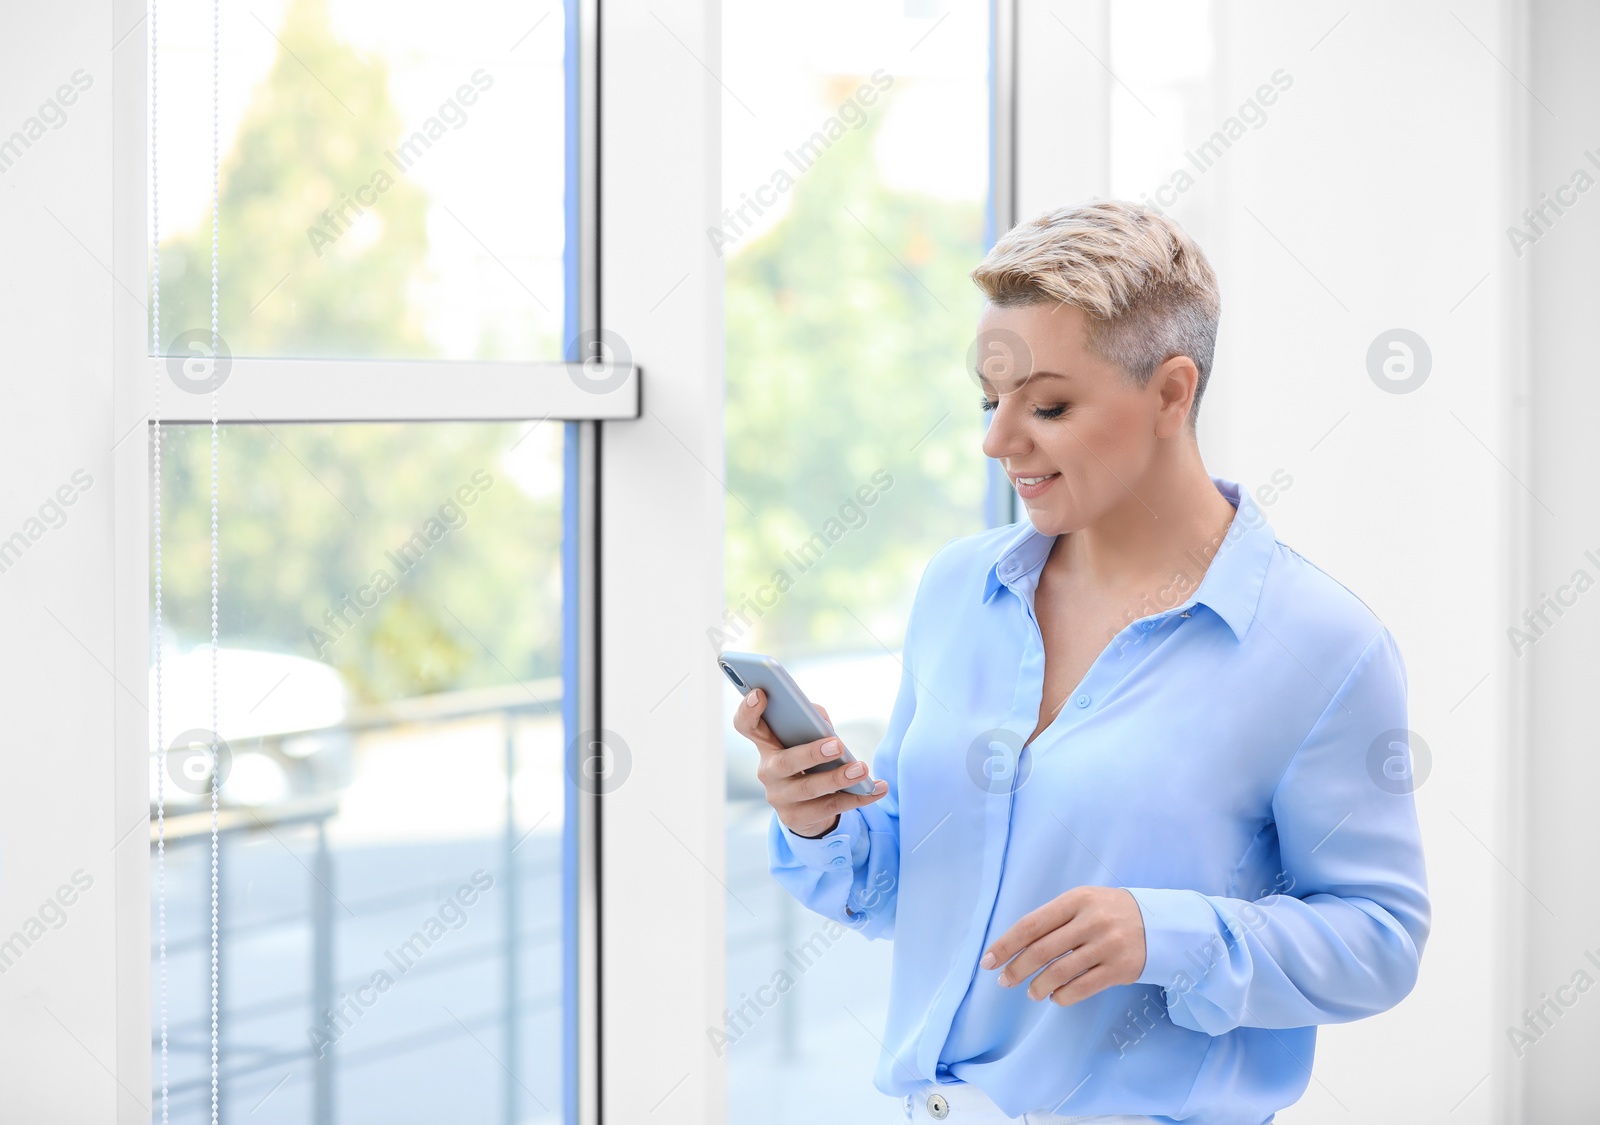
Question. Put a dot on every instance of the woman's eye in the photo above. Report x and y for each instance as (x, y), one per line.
(1045, 412)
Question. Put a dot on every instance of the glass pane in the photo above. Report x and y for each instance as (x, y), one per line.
(390, 681)
(392, 184)
(856, 180)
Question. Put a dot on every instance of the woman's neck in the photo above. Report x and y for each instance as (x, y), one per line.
(1169, 517)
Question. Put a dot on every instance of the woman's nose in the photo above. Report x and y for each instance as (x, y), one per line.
(1001, 439)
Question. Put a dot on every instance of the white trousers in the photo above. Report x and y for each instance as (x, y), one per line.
(961, 1103)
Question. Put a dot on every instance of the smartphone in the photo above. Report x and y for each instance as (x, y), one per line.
(792, 717)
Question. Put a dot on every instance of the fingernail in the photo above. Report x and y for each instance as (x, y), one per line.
(750, 700)
(830, 747)
(988, 961)
(855, 770)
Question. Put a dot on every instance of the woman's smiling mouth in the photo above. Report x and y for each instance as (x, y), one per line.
(1029, 487)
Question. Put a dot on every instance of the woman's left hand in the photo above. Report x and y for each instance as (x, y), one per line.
(1098, 929)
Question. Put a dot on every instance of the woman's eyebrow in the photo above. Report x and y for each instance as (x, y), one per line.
(1035, 375)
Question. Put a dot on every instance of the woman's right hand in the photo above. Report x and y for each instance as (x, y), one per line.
(807, 804)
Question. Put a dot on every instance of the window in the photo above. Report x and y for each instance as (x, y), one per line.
(391, 184)
(856, 181)
(405, 524)
(392, 806)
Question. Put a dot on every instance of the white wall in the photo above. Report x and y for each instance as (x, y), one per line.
(662, 896)
(58, 1029)
(1383, 170)
(1375, 196)
(1556, 1073)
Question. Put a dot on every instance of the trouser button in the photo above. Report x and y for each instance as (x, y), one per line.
(938, 1108)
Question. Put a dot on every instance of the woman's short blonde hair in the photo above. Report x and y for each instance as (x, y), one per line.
(1145, 284)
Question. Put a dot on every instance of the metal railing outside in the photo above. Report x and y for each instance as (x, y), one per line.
(316, 760)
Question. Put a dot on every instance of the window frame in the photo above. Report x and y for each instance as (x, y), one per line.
(261, 390)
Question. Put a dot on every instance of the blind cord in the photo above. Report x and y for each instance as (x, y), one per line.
(155, 364)
(216, 773)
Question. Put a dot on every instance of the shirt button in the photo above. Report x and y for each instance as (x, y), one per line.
(838, 861)
(1083, 701)
(1147, 625)
(836, 844)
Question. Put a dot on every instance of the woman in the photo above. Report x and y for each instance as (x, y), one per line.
(1144, 814)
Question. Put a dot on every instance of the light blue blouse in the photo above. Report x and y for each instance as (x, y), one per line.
(1239, 762)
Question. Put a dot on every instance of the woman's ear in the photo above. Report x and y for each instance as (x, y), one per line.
(1176, 380)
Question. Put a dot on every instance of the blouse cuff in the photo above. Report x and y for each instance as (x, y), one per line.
(1182, 938)
(842, 849)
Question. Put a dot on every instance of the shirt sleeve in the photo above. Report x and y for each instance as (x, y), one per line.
(852, 874)
(1344, 942)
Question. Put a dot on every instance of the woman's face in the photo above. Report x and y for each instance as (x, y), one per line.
(1062, 412)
